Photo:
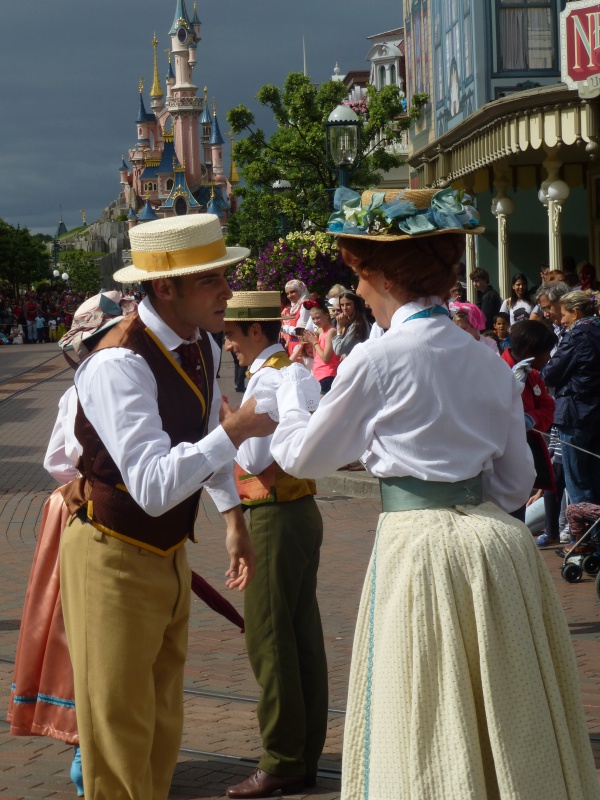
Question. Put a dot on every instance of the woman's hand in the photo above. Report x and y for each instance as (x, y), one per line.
(310, 337)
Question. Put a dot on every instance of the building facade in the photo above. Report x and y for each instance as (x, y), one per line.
(501, 125)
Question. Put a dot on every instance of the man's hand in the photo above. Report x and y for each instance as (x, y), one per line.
(242, 561)
(244, 423)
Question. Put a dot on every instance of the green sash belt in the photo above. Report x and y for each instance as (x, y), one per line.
(413, 494)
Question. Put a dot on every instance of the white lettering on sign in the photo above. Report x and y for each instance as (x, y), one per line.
(580, 37)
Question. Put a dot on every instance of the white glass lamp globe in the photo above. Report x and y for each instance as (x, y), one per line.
(558, 191)
(65, 276)
(56, 273)
(505, 206)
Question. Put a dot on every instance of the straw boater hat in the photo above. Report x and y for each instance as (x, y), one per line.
(424, 212)
(254, 307)
(176, 246)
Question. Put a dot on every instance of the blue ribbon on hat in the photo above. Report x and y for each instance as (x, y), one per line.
(448, 211)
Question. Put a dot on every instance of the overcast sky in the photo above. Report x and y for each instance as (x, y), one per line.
(70, 72)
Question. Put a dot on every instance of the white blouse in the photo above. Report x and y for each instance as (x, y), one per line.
(63, 448)
(423, 400)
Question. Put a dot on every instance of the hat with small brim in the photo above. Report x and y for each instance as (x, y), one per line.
(254, 307)
(93, 317)
(168, 248)
(406, 214)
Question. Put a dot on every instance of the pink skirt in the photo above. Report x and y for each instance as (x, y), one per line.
(42, 697)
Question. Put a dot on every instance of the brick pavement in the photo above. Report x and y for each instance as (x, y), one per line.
(32, 768)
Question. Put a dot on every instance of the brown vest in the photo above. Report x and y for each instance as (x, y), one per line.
(272, 485)
(184, 411)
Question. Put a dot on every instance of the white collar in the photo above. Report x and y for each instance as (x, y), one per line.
(408, 309)
(159, 327)
(266, 353)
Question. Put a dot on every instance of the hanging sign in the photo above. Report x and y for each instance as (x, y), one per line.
(580, 47)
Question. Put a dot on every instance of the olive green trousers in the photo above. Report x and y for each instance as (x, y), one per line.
(284, 636)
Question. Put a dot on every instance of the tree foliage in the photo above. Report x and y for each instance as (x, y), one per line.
(23, 257)
(82, 269)
(296, 152)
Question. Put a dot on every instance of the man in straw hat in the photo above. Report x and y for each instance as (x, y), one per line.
(148, 423)
(284, 637)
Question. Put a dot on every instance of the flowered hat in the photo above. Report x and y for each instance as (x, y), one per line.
(99, 313)
(254, 307)
(167, 248)
(407, 214)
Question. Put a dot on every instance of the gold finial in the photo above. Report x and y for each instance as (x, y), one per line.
(141, 85)
(156, 90)
(147, 197)
(168, 52)
(83, 215)
(212, 192)
(214, 107)
(206, 94)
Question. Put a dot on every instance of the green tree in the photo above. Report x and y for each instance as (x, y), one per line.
(23, 257)
(296, 152)
(82, 269)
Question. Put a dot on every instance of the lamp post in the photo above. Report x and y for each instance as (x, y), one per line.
(282, 188)
(343, 128)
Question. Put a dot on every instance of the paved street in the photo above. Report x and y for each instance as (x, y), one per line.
(220, 733)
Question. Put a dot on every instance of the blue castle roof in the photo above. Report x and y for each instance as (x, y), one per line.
(203, 193)
(62, 228)
(132, 214)
(181, 18)
(215, 133)
(170, 73)
(206, 118)
(169, 159)
(180, 189)
(143, 115)
(148, 214)
(123, 165)
(195, 21)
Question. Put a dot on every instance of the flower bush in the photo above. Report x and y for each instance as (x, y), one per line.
(312, 258)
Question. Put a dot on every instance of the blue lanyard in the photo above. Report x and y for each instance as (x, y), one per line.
(434, 311)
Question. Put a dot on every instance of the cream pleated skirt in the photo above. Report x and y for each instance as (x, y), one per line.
(463, 683)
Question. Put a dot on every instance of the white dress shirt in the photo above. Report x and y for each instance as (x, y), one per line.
(63, 448)
(423, 400)
(254, 455)
(118, 394)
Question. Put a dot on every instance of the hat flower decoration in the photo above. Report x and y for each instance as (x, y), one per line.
(412, 212)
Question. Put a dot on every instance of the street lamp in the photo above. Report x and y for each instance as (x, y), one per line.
(343, 142)
(282, 188)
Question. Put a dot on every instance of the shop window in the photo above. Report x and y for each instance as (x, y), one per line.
(526, 35)
(393, 74)
(381, 77)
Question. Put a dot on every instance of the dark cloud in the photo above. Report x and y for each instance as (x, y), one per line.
(70, 72)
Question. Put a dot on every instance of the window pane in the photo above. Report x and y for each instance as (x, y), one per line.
(526, 40)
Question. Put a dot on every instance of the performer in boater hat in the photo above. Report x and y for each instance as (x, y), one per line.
(283, 630)
(148, 424)
(463, 680)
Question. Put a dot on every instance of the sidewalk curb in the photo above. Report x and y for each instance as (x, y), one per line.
(350, 484)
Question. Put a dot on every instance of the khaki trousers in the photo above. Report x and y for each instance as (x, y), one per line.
(284, 637)
(126, 614)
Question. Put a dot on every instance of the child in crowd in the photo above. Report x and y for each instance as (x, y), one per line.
(529, 352)
(326, 361)
(52, 329)
(472, 320)
(502, 330)
(40, 325)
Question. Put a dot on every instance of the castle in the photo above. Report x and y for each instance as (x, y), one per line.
(177, 161)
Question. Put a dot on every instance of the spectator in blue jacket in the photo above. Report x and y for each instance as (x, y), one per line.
(574, 374)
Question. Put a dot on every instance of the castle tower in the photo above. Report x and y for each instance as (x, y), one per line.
(183, 105)
(156, 93)
(206, 122)
(216, 147)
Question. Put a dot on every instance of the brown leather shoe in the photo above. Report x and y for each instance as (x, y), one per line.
(261, 784)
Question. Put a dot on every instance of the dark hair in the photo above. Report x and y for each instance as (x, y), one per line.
(530, 338)
(361, 325)
(513, 295)
(149, 289)
(502, 315)
(480, 274)
(271, 329)
(423, 266)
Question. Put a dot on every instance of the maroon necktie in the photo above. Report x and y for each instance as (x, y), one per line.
(192, 365)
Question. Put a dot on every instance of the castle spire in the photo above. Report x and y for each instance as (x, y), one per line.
(181, 18)
(215, 134)
(156, 91)
(234, 175)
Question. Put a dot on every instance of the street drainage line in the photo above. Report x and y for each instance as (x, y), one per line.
(31, 369)
(34, 386)
(239, 698)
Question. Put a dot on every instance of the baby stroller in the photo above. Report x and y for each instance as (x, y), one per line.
(584, 554)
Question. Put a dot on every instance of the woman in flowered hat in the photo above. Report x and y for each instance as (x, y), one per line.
(463, 681)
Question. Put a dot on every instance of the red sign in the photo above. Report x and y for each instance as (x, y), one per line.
(580, 40)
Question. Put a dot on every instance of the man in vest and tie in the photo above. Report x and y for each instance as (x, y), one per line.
(148, 423)
(284, 637)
